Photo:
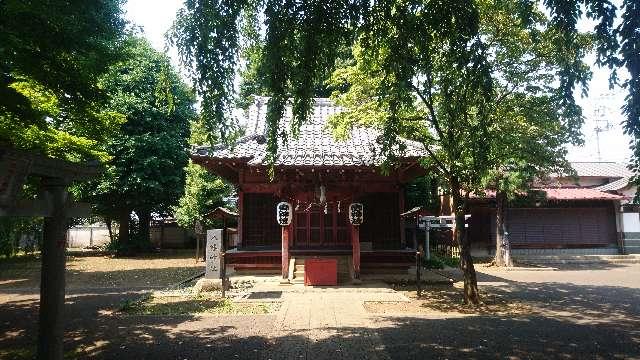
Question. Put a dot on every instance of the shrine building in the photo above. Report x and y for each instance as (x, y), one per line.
(320, 178)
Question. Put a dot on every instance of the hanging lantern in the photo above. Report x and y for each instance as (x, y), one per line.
(284, 213)
(356, 213)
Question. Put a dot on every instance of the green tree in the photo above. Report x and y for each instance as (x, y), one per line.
(203, 192)
(50, 55)
(303, 38)
(148, 156)
(475, 114)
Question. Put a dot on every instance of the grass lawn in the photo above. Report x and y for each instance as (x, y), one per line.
(182, 303)
(93, 271)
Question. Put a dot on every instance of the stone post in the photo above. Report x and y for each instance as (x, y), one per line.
(52, 284)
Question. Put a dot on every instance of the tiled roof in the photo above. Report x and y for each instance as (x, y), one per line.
(601, 169)
(576, 193)
(315, 145)
(614, 185)
(579, 194)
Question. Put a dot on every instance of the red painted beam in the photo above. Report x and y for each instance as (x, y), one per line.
(355, 244)
(285, 251)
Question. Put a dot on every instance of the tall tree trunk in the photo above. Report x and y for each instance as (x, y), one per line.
(144, 218)
(471, 295)
(123, 234)
(109, 224)
(503, 247)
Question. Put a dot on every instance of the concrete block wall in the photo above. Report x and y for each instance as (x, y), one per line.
(630, 232)
(631, 242)
(613, 250)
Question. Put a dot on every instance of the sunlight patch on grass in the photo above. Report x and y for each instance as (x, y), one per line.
(190, 304)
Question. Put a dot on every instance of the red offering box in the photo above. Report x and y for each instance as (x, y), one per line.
(321, 272)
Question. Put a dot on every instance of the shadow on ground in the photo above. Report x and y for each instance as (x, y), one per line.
(151, 270)
(572, 321)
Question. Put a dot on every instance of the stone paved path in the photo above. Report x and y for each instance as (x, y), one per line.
(313, 308)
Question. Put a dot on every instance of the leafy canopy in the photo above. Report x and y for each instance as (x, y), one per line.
(50, 56)
(302, 41)
(482, 100)
(149, 153)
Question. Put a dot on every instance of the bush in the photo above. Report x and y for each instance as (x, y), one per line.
(433, 263)
(137, 244)
(19, 233)
(439, 262)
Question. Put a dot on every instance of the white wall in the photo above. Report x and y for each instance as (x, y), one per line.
(81, 236)
(631, 222)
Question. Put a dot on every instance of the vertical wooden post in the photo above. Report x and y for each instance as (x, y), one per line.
(240, 216)
(198, 239)
(52, 283)
(285, 252)
(355, 245)
(418, 268)
(403, 235)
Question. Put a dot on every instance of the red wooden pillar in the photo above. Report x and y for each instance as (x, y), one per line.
(241, 215)
(285, 251)
(403, 240)
(355, 245)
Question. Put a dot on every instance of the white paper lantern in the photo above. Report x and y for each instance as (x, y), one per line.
(356, 213)
(284, 213)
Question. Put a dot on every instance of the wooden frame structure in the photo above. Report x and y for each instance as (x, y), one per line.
(56, 206)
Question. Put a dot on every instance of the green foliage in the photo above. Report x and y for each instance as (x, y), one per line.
(303, 39)
(439, 262)
(433, 263)
(475, 114)
(149, 153)
(50, 56)
(423, 192)
(290, 57)
(203, 193)
(11, 231)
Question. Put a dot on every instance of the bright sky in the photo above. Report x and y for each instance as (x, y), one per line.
(601, 108)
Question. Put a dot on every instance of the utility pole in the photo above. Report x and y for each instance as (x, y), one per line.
(601, 115)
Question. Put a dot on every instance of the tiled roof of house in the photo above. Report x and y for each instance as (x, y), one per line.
(572, 193)
(601, 169)
(579, 194)
(315, 145)
(614, 185)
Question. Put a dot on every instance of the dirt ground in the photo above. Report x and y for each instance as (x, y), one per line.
(569, 313)
(87, 271)
(444, 300)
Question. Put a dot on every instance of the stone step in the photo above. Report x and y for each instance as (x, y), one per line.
(299, 267)
(632, 249)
